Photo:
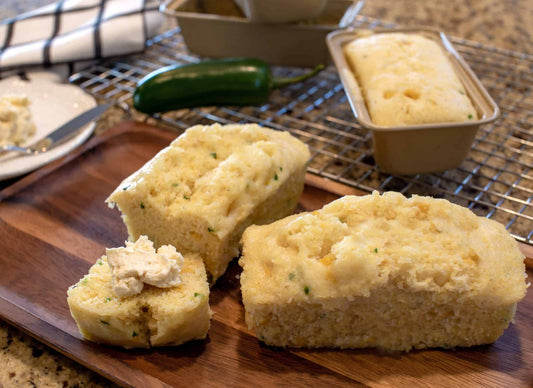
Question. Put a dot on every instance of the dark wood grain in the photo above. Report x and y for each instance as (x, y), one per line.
(54, 224)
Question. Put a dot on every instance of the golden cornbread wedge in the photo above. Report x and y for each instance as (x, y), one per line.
(155, 317)
(381, 271)
(202, 191)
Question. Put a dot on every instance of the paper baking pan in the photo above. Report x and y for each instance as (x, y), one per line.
(300, 44)
(416, 148)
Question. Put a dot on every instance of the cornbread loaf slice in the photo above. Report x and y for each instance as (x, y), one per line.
(202, 191)
(154, 317)
(381, 271)
(407, 79)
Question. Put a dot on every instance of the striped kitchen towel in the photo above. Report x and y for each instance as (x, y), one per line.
(70, 32)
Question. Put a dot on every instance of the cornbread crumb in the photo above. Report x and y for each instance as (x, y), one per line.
(16, 124)
(201, 192)
(406, 79)
(381, 271)
(155, 317)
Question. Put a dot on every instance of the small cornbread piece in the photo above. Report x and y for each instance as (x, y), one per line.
(202, 191)
(381, 271)
(406, 79)
(16, 124)
(152, 317)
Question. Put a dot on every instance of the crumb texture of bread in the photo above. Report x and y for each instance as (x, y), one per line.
(155, 317)
(16, 123)
(406, 79)
(202, 191)
(381, 271)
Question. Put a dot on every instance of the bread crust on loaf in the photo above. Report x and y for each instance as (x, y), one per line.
(406, 79)
(155, 317)
(201, 192)
(381, 271)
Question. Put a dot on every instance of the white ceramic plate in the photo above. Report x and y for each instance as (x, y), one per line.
(52, 104)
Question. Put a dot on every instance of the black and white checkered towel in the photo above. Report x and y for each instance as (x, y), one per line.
(71, 31)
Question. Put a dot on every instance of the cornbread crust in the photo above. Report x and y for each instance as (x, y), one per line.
(381, 271)
(406, 79)
(201, 192)
(155, 317)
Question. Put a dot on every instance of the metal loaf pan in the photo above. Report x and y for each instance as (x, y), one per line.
(300, 44)
(423, 148)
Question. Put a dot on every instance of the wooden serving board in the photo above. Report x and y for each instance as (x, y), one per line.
(54, 225)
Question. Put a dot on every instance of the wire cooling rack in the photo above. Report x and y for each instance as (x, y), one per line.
(495, 180)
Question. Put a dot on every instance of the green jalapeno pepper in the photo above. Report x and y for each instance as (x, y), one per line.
(234, 81)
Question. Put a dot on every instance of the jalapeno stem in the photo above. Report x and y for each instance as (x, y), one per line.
(281, 82)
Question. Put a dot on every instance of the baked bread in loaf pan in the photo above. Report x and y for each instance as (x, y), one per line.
(416, 94)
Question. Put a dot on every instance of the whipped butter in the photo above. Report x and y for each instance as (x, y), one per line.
(138, 264)
(16, 124)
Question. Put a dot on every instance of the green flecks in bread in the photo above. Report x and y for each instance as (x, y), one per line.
(155, 317)
(201, 192)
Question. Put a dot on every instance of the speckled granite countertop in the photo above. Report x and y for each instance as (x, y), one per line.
(504, 23)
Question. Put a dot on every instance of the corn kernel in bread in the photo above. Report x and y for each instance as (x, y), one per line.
(154, 317)
(201, 192)
(381, 271)
(406, 79)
